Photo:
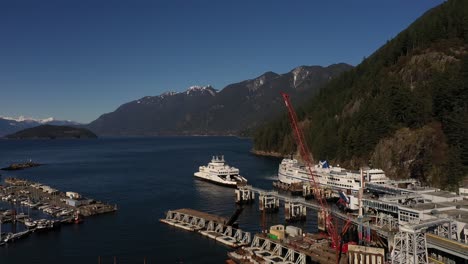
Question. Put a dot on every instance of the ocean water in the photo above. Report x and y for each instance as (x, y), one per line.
(144, 177)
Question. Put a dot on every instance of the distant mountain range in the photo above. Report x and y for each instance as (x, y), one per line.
(203, 110)
(9, 125)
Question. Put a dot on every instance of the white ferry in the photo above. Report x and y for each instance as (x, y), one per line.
(218, 172)
(337, 178)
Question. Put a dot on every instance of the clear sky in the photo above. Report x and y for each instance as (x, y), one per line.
(78, 59)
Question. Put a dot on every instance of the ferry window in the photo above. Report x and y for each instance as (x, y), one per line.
(408, 216)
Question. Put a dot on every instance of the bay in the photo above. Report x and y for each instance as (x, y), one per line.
(144, 177)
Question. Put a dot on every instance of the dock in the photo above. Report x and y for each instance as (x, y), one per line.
(310, 248)
(208, 225)
(294, 188)
(19, 190)
(429, 221)
(200, 214)
(61, 207)
(401, 226)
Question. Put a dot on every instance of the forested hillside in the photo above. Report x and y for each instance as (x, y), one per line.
(403, 109)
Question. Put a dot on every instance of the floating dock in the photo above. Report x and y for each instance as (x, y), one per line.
(209, 225)
(63, 207)
(44, 197)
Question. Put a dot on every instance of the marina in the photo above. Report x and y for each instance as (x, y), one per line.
(57, 207)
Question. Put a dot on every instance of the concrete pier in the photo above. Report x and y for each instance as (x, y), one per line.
(309, 192)
(244, 196)
(294, 212)
(294, 188)
(268, 202)
(321, 223)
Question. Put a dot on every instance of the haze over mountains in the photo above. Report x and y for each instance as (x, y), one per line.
(203, 110)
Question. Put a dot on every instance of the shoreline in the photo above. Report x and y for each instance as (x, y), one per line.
(267, 153)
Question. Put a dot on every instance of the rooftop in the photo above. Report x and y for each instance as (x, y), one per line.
(425, 206)
(463, 204)
(444, 194)
(456, 214)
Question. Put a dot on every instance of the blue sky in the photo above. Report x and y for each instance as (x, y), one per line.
(78, 59)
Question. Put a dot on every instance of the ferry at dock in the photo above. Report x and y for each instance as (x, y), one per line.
(220, 173)
(292, 171)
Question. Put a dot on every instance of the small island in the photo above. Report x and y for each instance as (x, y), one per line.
(52, 132)
(21, 166)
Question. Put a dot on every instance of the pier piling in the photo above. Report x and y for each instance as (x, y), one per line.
(268, 203)
(294, 212)
(244, 196)
(321, 221)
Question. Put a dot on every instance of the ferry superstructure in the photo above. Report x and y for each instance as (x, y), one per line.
(291, 171)
(220, 173)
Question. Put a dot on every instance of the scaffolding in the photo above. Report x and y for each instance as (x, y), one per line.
(410, 242)
(410, 247)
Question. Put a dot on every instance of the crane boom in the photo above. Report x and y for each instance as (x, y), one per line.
(309, 163)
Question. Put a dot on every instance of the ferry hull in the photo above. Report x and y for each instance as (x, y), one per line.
(216, 182)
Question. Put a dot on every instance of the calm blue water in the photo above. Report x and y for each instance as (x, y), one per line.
(145, 177)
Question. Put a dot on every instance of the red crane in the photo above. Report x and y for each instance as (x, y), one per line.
(309, 163)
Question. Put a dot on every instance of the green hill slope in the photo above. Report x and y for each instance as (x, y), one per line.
(403, 109)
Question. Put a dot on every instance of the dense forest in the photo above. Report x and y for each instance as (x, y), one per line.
(403, 109)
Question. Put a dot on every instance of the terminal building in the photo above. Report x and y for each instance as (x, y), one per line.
(447, 237)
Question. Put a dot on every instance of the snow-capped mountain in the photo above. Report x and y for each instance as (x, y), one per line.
(194, 90)
(204, 110)
(28, 119)
(10, 125)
